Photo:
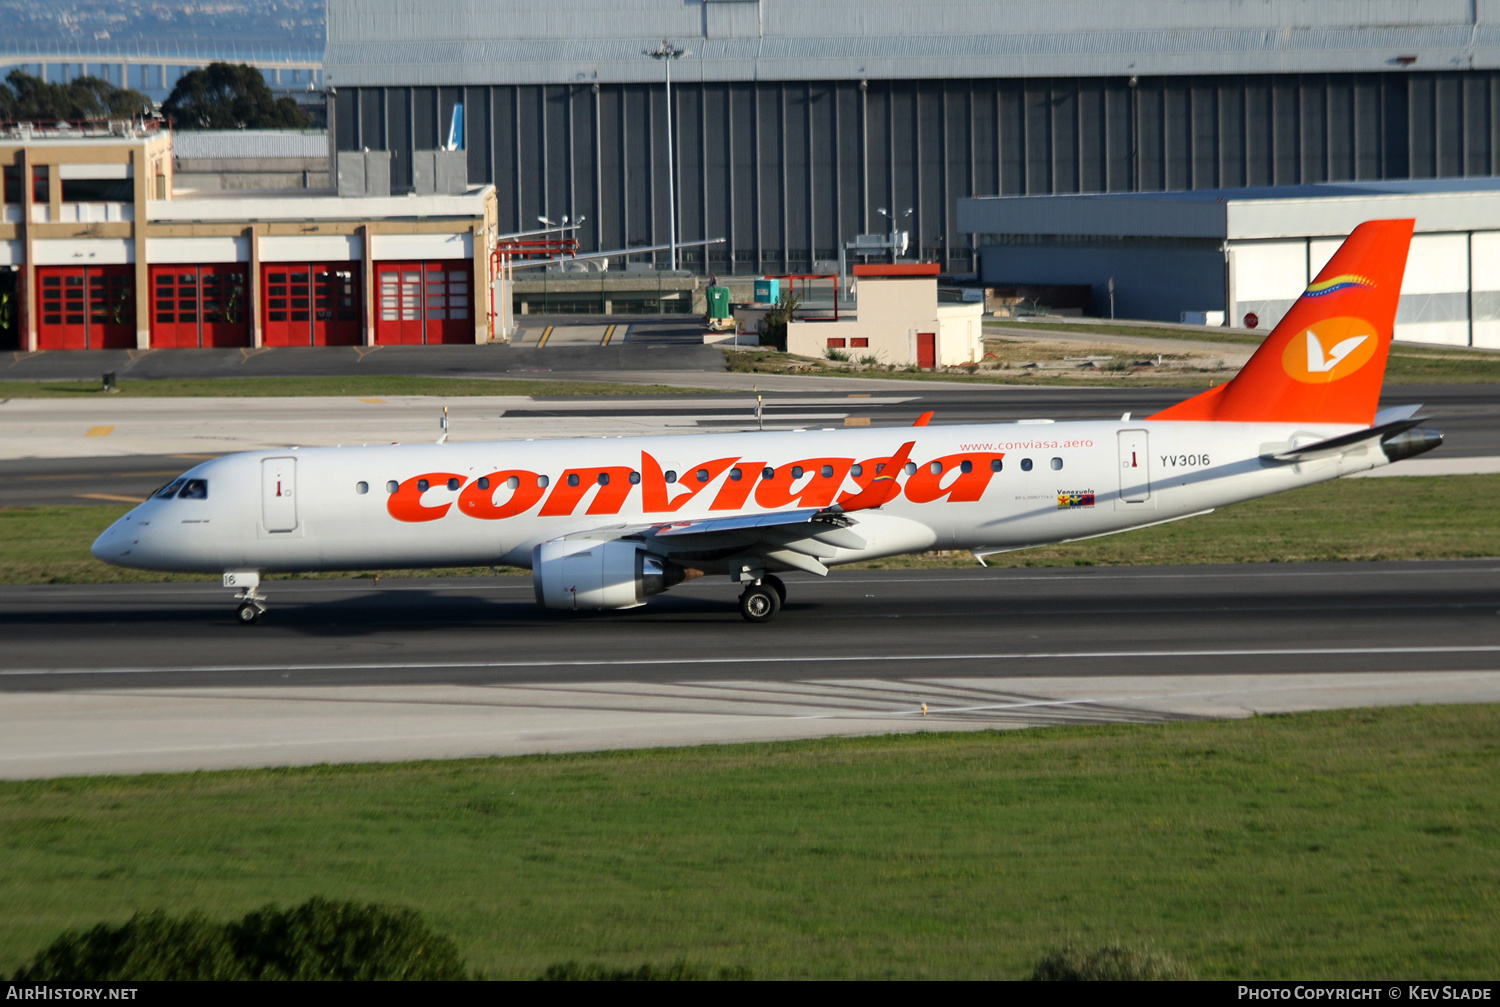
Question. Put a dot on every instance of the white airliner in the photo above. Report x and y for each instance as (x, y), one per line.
(605, 523)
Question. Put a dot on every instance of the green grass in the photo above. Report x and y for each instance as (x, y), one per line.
(1204, 335)
(776, 362)
(1332, 845)
(1443, 517)
(376, 386)
(1407, 365)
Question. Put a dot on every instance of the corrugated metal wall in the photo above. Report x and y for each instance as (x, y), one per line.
(787, 170)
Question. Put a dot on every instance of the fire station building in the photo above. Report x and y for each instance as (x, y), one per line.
(97, 252)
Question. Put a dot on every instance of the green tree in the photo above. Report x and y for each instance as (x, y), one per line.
(230, 96)
(23, 96)
(316, 940)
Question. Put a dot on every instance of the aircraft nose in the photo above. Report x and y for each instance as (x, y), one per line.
(115, 543)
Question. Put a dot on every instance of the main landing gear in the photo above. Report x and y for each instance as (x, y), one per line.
(763, 599)
(252, 602)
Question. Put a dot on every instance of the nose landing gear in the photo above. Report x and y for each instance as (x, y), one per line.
(252, 602)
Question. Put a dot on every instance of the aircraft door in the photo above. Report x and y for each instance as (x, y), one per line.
(1135, 467)
(278, 500)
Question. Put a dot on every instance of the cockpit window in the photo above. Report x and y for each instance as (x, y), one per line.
(168, 491)
(194, 489)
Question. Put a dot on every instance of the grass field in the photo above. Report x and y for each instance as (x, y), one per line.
(374, 386)
(1447, 517)
(1407, 365)
(1321, 846)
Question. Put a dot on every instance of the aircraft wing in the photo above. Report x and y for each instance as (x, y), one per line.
(794, 539)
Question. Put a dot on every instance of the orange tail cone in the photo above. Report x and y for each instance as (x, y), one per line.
(1325, 361)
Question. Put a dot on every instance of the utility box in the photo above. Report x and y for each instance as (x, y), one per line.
(364, 173)
(767, 291)
(440, 172)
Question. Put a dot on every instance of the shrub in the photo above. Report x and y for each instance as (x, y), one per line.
(1112, 962)
(316, 940)
(678, 971)
(834, 353)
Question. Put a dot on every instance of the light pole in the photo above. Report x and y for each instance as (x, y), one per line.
(882, 211)
(666, 53)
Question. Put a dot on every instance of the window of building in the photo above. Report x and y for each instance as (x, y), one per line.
(97, 190)
(41, 175)
(13, 183)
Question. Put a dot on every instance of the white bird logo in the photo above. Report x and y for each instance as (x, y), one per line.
(1318, 363)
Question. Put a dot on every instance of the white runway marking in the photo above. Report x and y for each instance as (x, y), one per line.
(658, 662)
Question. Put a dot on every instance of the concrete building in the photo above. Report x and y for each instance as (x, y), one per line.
(251, 159)
(897, 320)
(792, 124)
(1251, 252)
(97, 251)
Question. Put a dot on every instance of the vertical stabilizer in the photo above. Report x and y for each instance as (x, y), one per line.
(1325, 361)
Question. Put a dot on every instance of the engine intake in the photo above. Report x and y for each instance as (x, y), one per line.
(580, 574)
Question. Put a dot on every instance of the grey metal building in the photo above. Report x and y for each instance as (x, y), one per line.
(793, 121)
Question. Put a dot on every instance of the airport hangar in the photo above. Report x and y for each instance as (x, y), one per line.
(796, 122)
(1251, 252)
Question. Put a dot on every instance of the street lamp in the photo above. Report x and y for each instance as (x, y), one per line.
(666, 53)
(882, 211)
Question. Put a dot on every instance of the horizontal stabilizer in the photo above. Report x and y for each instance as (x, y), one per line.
(1338, 445)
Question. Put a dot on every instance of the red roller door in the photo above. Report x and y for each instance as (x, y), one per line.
(200, 305)
(310, 303)
(85, 307)
(424, 302)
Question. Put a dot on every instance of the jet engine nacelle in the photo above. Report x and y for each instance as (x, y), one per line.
(581, 574)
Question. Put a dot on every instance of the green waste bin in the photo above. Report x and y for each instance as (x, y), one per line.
(718, 315)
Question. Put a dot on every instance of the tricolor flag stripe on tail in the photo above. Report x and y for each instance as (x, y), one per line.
(1325, 361)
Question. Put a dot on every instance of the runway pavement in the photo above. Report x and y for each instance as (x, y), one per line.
(159, 677)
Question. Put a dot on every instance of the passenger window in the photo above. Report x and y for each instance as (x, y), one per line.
(392, 486)
(194, 489)
(423, 485)
(826, 471)
(573, 479)
(671, 476)
(703, 475)
(453, 484)
(635, 478)
(768, 473)
(1025, 464)
(170, 489)
(857, 471)
(936, 468)
(966, 466)
(735, 475)
(996, 465)
(1057, 464)
(911, 468)
(361, 487)
(796, 471)
(484, 482)
(514, 483)
(542, 481)
(603, 478)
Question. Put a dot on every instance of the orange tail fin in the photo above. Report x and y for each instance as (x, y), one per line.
(1325, 361)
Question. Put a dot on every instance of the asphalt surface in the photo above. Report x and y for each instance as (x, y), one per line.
(1071, 622)
(1468, 415)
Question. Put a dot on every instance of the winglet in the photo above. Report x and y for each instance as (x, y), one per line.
(882, 489)
(924, 419)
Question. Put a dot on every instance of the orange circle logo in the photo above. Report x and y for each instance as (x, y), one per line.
(1329, 350)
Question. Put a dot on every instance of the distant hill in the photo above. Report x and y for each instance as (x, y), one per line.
(132, 26)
